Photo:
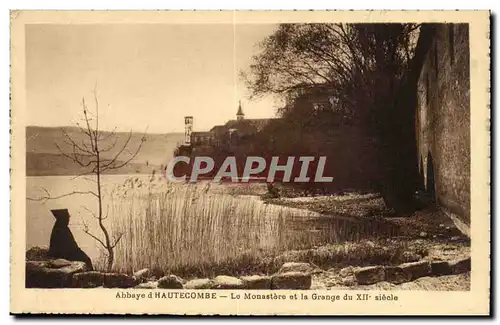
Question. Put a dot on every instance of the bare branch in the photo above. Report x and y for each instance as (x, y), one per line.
(87, 231)
(117, 240)
(110, 147)
(89, 211)
(49, 197)
(106, 216)
(109, 135)
(82, 176)
(109, 166)
(89, 129)
(112, 163)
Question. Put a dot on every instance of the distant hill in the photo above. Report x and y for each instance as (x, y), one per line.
(43, 158)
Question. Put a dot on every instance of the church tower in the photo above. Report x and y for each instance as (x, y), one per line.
(188, 127)
(240, 115)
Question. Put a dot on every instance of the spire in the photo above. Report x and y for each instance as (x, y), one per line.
(240, 115)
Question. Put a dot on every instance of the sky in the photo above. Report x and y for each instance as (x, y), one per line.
(146, 76)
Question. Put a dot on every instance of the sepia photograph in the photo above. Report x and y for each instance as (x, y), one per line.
(168, 160)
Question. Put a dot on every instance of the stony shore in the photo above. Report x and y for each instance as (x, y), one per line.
(60, 273)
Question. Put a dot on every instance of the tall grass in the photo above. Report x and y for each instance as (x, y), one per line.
(189, 227)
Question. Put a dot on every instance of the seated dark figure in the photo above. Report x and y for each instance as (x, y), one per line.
(62, 242)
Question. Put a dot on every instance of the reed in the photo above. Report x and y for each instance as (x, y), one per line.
(189, 229)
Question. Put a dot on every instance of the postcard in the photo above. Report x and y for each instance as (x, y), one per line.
(250, 162)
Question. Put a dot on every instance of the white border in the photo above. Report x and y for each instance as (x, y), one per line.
(148, 4)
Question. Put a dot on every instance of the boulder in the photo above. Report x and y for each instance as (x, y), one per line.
(349, 281)
(198, 284)
(396, 275)
(296, 267)
(147, 285)
(142, 275)
(370, 274)
(256, 282)
(440, 268)
(37, 254)
(460, 265)
(92, 279)
(227, 282)
(347, 271)
(157, 273)
(291, 280)
(44, 274)
(170, 282)
(416, 270)
(58, 263)
(119, 280)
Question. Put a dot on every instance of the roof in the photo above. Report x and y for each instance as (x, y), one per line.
(249, 124)
(240, 110)
(218, 129)
(202, 133)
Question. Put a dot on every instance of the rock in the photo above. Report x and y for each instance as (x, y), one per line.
(349, 281)
(198, 284)
(291, 280)
(37, 254)
(370, 274)
(416, 270)
(147, 285)
(423, 234)
(383, 285)
(395, 274)
(256, 282)
(157, 273)
(296, 267)
(460, 265)
(170, 282)
(142, 274)
(411, 256)
(346, 271)
(43, 274)
(58, 263)
(227, 282)
(440, 268)
(92, 279)
(119, 280)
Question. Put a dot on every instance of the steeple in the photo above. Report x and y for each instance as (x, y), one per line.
(240, 115)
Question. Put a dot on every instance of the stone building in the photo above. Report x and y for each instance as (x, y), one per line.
(443, 122)
(232, 131)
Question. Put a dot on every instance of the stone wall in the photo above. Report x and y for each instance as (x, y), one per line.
(443, 121)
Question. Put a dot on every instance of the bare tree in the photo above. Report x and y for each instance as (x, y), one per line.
(96, 154)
